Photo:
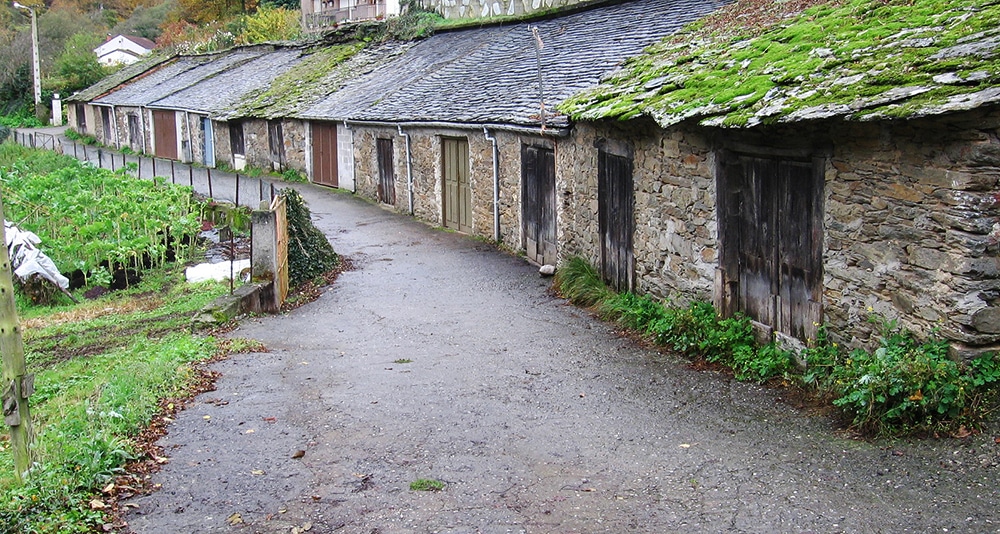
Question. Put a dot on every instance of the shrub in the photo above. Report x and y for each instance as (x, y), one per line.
(906, 385)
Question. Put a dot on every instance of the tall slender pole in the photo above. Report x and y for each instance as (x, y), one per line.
(35, 63)
(16, 387)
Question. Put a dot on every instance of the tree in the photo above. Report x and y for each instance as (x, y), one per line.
(290, 5)
(77, 67)
(271, 24)
(205, 11)
(146, 21)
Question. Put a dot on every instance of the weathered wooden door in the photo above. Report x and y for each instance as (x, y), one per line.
(165, 133)
(457, 201)
(134, 132)
(616, 218)
(324, 149)
(106, 126)
(771, 232)
(538, 203)
(276, 144)
(237, 143)
(208, 147)
(386, 172)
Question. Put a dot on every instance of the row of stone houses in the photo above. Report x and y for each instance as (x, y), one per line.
(547, 138)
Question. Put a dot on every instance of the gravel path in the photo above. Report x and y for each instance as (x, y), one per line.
(438, 357)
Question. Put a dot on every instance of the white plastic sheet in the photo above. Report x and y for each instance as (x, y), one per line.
(27, 259)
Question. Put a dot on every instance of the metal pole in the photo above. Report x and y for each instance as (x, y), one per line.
(209, 169)
(237, 202)
(34, 62)
(191, 175)
(154, 166)
(171, 171)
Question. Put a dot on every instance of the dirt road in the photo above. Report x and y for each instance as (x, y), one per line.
(438, 357)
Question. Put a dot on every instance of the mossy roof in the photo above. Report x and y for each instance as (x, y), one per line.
(858, 59)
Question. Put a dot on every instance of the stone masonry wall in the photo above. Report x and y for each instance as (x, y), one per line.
(911, 218)
(427, 172)
(912, 224)
(675, 238)
(463, 9)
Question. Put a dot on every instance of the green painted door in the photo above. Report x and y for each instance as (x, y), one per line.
(457, 201)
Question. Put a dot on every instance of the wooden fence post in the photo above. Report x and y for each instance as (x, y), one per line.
(15, 385)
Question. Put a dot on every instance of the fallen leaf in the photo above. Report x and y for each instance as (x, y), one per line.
(97, 505)
(298, 454)
(161, 459)
(685, 445)
(256, 472)
(109, 488)
(170, 406)
(234, 519)
(271, 419)
(307, 527)
(918, 396)
(996, 440)
(962, 432)
(251, 431)
(207, 417)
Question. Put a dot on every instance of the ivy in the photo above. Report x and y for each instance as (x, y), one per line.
(309, 252)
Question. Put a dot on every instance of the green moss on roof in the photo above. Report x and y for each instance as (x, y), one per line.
(300, 85)
(861, 59)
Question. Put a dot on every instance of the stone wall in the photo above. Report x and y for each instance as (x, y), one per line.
(912, 224)
(464, 9)
(223, 148)
(294, 134)
(427, 172)
(256, 144)
(911, 218)
(675, 238)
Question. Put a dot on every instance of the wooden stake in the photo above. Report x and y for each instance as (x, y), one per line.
(15, 386)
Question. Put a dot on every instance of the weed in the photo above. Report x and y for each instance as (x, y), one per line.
(580, 282)
(403, 360)
(426, 484)
(292, 175)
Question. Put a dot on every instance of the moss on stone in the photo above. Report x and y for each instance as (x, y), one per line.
(851, 55)
(300, 84)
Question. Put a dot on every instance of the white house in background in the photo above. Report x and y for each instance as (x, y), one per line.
(320, 14)
(123, 50)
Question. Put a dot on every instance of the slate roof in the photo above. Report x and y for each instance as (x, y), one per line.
(855, 59)
(218, 94)
(176, 76)
(490, 74)
(119, 77)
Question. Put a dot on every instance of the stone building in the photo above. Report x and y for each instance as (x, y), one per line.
(829, 197)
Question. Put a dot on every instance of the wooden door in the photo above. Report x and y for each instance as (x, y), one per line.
(457, 201)
(616, 218)
(538, 203)
(134, 132)
(771, 232)
(165, 133)
(106, 126)
(324, 149)
(276, 144)
(386, 172)
(237, 144)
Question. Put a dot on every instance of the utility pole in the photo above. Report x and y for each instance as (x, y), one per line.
(35, 69)
(14, 385)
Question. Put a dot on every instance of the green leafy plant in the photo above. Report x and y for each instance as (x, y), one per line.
(426, 484)
(906, 385)
(309, 251)
(292, 175)
(87, 216)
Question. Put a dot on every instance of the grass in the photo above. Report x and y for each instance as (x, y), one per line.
(426, 484)
(101, 369)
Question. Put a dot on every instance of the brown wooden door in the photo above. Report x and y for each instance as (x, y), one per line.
(616, 219)
(771, 232)
(276, 144)
(538, 203)
(386, 172)
(134, 132)
(457, 201)
(165, 131)
(106, 126)
(324, 147)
